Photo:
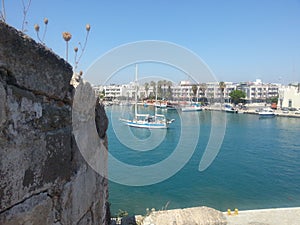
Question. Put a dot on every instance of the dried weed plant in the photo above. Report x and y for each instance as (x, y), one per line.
(67, 37)
(82, 47)
(37, 29)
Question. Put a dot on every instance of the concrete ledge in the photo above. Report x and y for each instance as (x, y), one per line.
(276, 216)
(188, 216)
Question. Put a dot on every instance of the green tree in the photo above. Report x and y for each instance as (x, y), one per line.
(272, 99)
(102, 94)
(237, 96)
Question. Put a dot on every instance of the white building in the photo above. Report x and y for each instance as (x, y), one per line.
(182, 91)
(258, 91)
(289, 96)
(214, 93)
(111, 91)
(119, 92)
(255, 91)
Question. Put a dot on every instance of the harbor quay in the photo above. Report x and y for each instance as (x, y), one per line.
(275, 216)
(206, 216)
(254, 109)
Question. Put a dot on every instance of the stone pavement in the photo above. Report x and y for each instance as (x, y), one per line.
(278, 216)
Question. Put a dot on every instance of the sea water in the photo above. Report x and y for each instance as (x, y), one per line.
(257, 166)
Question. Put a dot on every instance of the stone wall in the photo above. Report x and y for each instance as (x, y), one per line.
(43, 177)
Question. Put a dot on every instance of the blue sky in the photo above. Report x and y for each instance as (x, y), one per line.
(239, 40)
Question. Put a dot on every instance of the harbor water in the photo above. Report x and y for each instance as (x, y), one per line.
(257, 166)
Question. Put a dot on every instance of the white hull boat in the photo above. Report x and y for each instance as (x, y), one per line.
(267, 112)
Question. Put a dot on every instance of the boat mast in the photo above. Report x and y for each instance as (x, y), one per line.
(136, 90)
(155, 108)
(197, 94)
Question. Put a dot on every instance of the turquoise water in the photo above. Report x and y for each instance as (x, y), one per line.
(258, 166)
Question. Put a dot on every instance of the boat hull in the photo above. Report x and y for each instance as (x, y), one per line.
(230, 110)
(266, 115)
(147, 125)
(191, 108)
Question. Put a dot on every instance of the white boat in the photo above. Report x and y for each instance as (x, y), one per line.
(161, 104)
(158, 121)
(266, 112)
(192, 107)
(229, 109)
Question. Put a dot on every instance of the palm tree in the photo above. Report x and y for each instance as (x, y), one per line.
(164, 83)
(146, 88)
(159, 88)
(169, 91)
(194, 90)
(203, 88)
(222, 87)
(153, 85)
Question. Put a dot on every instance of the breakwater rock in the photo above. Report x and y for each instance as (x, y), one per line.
(43, 177)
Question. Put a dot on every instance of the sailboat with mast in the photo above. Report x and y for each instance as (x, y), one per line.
(156, 121)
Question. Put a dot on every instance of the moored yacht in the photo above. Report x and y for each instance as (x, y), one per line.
(266, 112)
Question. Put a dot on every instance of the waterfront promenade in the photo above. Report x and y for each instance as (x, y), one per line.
(277, 216)
(252, 110)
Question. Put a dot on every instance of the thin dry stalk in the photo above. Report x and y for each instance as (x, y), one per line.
(25, 11)
(45, 30)
(82, 48)
(37, 29)
(67, 37)
(3, 13)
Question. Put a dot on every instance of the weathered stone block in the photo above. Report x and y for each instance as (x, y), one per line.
(32, 65)
(2, 105)
(43, 177)
(34, 210)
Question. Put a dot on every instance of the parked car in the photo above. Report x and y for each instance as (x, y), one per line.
(293, 109)
(298, 111)
(285, 110)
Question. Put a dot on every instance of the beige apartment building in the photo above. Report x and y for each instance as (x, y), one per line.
(289, 96)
